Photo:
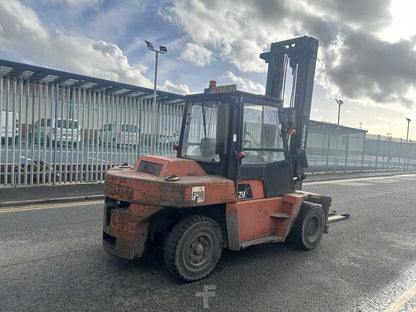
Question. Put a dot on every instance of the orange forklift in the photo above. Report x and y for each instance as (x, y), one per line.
(236, 180)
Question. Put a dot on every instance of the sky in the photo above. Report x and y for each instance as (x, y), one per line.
(367, 49)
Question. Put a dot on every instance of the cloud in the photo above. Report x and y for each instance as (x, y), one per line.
(196, 54)
(366, 66)
(353, 61)
(169, 86)
(77, 3)
(24, 36)
(246, 84)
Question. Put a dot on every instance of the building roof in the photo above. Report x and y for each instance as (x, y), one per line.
(38, 74)
(328, 126)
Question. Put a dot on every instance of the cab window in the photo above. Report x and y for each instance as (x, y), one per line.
(262, 141)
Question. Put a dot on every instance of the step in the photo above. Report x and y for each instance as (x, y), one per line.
(262, 240)
(280, 215)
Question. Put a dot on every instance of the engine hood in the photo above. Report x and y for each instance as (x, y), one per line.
(146, 183)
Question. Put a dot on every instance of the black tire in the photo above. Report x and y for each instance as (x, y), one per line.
(193, 248)
(309, 226)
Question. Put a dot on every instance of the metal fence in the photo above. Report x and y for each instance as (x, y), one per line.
(66, 132)
(54, 133)
(329, 150)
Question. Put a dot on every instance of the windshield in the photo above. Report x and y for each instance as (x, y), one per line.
(200, 133)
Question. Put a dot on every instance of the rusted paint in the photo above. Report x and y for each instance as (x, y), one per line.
(248, 221)
(151, 190)
(148, 194)
(232, 227)
(129, 228)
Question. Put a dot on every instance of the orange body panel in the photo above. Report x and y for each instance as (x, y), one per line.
(172, 165)
(271, 218)
(248, 221)
(147, 194)
(254, 217)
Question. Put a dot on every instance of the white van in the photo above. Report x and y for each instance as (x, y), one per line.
(42, 127)
(122, 134)
(65, 131)
(11, 122)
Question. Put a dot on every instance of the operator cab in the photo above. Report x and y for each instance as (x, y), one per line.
(239, 136)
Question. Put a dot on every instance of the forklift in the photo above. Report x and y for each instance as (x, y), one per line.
(236, 180)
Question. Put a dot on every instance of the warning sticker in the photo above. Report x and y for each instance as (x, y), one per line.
(198, 194)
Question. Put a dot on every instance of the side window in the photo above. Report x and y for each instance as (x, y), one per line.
(271, 128)
(262, 141)
(252, 126)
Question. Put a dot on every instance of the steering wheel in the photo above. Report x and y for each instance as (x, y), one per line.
(247, 143)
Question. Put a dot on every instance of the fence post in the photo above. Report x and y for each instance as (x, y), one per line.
(327, 152)
(346, 152)
(408, 153)
(362, 155)
(378, 143)
(400, 154)
(388, 159)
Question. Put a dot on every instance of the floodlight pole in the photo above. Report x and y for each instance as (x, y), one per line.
(153, 127)
(339, 102)
(407, 141)
(408, 124)
(155, 116)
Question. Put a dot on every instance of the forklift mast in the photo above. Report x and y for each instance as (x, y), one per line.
(300, 53)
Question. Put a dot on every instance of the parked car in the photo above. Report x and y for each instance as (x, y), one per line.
(117, 134)
(41, 128)
(166, 139)
(65, 131)
(10, 123)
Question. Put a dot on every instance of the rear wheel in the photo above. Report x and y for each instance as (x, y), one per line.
(193, 248)
(309, 226)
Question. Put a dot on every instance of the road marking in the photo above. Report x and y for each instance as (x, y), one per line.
(50, 206)
(403, 176)
(401, 301)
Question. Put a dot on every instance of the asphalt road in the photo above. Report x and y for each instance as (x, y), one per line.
(52, 260)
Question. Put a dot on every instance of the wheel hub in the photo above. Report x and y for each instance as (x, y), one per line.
(312, 228)
(200, 250)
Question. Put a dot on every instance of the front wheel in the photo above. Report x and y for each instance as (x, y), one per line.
(193, 248)
(309, 226)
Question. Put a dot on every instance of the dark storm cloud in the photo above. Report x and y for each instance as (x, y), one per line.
(378, 69)
(369, 14)
(354, 62)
